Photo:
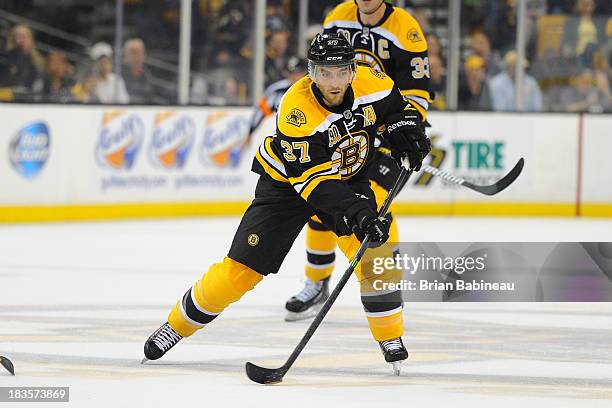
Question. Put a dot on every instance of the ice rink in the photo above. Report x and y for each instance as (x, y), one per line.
(77, 302)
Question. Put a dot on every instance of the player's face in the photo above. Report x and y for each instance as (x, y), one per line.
(369, 6)
(333, 82)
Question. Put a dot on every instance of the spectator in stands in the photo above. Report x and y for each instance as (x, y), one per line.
(276, 9)
(433, 45)
(233, 28)
(136, 76)
(607, 47)
(276, 61)
(583, 29)
(22, 62)
(85, 90)
(481, 47)
(560, 6)
(55, 85)
(474, 91)
(584, 94)
(500, 23)
(552, 72)
(503, 89)
(607, 51)
(222, 84)
(535, 10)
(110, 88)
(438, 81)
(601, 71)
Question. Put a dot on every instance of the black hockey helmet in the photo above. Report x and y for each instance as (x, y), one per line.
(331, 49)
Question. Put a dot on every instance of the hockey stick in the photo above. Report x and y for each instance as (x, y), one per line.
(487, 190)
(264, 375)
(6, 363)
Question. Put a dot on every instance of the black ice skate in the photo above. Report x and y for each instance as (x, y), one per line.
(162, 340)
(308, 302)
(394, 352)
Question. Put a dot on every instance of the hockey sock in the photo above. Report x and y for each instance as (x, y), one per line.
(383, 308)
(223, 284)
(387, 327)
(320, 247)
(381, 301)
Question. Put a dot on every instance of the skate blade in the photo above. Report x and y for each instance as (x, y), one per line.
(397, 367)
(144, 360)
(307, 314)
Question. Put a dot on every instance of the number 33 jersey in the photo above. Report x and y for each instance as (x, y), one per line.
(395, 46)
(322, 151)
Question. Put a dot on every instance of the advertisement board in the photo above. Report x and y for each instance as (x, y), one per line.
(80, 162)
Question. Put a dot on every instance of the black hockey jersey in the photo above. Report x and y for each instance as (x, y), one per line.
(396, 46)
(320, 151)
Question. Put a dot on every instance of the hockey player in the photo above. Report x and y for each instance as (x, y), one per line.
(316, 164)
(389, 40)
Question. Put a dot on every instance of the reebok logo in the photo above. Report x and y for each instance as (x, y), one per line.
(400, 124)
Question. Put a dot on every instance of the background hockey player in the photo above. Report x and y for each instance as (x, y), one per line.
(316, 164)
(389, 40)
(269, 101)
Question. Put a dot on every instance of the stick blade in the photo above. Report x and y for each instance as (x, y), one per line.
(263, 375)
(6, 363)
(502, 184)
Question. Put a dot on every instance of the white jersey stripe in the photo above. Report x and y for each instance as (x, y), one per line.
(376, 96)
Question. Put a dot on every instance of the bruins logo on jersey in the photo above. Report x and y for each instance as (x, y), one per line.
(368, 59)
(351, 154)
(296, 117)
(253, 240)
(414, 36)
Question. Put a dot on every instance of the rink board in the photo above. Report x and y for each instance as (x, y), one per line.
(75, 162)
(596, 167)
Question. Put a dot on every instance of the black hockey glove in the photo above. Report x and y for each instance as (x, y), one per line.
(406, 135)
(361, 219)
(376, 227)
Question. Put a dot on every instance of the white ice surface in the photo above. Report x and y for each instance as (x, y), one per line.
(77, 302)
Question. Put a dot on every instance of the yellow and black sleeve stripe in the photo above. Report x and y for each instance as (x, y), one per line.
(270, 162)
(311, 178)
